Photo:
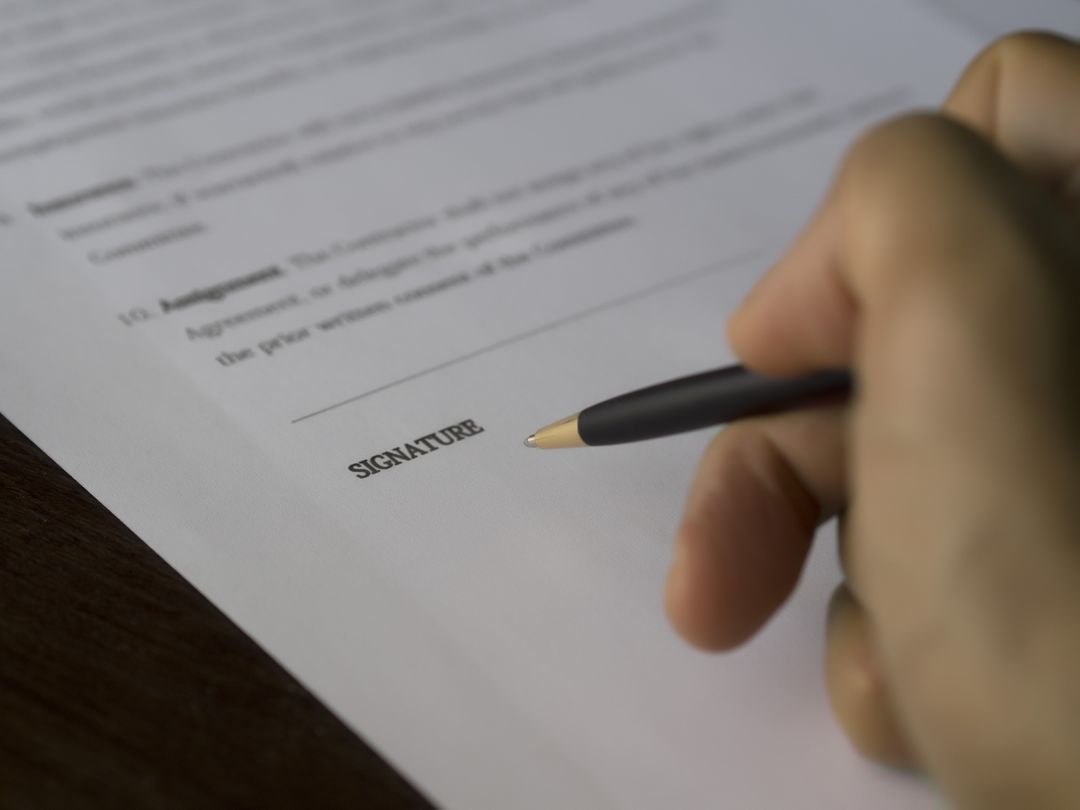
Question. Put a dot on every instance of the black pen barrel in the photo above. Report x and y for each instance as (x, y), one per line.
(701, 400)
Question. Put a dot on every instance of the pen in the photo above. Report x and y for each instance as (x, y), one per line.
(688, 403)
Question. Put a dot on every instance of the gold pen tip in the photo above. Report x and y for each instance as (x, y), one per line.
(563, 433)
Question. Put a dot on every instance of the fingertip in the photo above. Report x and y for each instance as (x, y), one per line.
(699, 607)
(799, 317)
(752, 327)
(742, 543)
(741, 328)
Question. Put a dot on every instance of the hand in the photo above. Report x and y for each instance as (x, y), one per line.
(944, 269)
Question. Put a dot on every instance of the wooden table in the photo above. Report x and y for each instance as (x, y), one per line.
(121, 686)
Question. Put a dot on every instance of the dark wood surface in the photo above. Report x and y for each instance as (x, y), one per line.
(121, 686)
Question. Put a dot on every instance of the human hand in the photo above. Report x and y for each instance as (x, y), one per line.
(944, 269)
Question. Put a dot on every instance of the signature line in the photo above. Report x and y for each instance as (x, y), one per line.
(663, 286)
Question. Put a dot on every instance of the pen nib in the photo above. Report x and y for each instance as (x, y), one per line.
(531, 441)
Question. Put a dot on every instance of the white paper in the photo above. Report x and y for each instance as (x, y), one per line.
(249, 245)
(998, 17)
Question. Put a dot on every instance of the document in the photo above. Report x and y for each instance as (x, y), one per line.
(286, 283)
(998, 17)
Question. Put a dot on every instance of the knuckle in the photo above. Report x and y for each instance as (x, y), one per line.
(1010, 54)
(892, 150)
(891, 183)
(1019, 47)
